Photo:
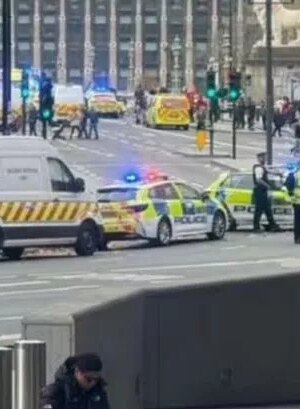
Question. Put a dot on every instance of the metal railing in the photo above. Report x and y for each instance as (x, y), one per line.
(22, 374)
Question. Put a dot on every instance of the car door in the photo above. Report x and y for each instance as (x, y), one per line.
(194, 214)
(236, 192)
(166, 201)
(67, 204)
(280, 201)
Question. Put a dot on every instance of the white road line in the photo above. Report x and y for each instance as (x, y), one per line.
(234, 247)
(8, 277)
(50, 290)
(231, 263)
(9, 337)
(23, 284)
(16, 318)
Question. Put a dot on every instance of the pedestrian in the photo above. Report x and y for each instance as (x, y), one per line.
(263, 113)
(83, 123)
(75, 125)
(260, 195)
(292, 184)
(240, 114)
(32, 119)
(279, 121)
(94, 119)
(78, 384)
(251, 108)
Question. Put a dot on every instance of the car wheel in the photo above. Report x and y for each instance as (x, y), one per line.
(164, 232)
(86, 244)
(13, 253)
(218, 227)
(186, 127)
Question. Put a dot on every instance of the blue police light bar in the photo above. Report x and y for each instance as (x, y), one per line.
(132, 177)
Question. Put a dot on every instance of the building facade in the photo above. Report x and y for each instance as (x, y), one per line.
(76, 40)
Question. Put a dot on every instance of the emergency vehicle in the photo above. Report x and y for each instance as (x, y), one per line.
(42, 203)
(164, 209)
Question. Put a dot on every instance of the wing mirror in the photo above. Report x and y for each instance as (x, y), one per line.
(79, 185)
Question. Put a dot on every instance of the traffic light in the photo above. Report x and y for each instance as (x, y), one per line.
(46, 98)
(211, 89)
(234, 85)
(25, 85)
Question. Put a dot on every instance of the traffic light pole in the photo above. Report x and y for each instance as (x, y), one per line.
(234, 130)
(6, 64)
(269, 82)
(24, 116)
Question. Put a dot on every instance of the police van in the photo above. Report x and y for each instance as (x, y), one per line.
(42, 203)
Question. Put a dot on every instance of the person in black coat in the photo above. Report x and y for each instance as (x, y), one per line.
(78, 385)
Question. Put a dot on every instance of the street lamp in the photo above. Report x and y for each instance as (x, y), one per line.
(130, 83)
(176, 48)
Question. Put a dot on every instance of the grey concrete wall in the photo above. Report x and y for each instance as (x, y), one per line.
(115, 331)
(217, 344)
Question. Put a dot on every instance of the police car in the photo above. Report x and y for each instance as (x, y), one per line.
(235, 190)
(42, 203)
(165, 209)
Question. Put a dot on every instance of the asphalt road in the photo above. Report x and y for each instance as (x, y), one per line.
(57, 282)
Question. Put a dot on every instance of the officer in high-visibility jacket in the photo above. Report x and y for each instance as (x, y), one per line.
(293, 185)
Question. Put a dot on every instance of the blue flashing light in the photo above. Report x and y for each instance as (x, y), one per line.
(293, 166)
(132, 177)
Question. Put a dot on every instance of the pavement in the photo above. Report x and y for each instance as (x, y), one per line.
(57, 282)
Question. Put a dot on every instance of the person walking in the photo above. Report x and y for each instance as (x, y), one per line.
(260, 195)
(78, 384)
(278, 122)
(75, 125)
(32, 119)
(83, 123)
(251, 108)
(263, 112)
(94, 120)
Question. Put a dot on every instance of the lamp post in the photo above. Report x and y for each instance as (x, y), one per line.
(131, 50)
(176, 51)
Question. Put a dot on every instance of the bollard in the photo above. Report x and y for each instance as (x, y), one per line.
(6, 378)
(30, 373)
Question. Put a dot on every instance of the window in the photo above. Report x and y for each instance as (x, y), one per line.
(241, 182)
(23, 19)
(100, 19)
(62, 179)
(164, 192)
(151, 20)
(125, 20)
(151, 46)
(23, 46)
(188, 192)
(49, 20)
(117, 195)
(49, 46)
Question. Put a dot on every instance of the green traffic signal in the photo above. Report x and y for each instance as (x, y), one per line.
(46, 114)
(211, 93)
(234, 94)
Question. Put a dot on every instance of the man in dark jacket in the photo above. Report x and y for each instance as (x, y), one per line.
(78, 385)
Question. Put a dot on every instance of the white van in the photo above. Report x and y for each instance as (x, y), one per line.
(42, 203)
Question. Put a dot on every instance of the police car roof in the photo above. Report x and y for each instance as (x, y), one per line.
(25, 145)
(139, 185)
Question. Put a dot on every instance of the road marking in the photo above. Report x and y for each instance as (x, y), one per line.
(50, 290)
(23, 284)
(234, 247)
(231, 263)
(8, 277)
(16, 318)
(9, 337)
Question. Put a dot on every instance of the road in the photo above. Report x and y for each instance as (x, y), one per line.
(57, 282)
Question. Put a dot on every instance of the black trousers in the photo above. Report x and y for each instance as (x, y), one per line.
(297, 223)
(32, 128)
(262, 206)
(73, 130)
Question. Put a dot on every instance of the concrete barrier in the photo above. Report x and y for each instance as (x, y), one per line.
(214, 344)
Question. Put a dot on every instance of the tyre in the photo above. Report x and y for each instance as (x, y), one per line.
(102, 241)
(233, 225)
(86, 244)
(164, 232)
(186, 127)
(218, 227)
(13, 253)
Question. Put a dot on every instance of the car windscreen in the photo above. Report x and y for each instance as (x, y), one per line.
(174, 103)
(116, 195)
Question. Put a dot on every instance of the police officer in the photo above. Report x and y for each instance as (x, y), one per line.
(292, 184)
(260, 194)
